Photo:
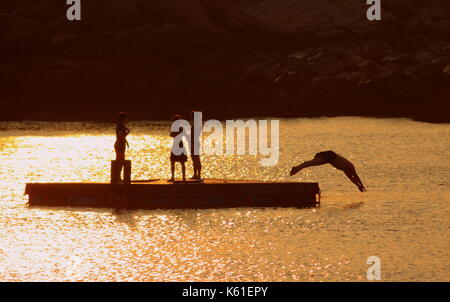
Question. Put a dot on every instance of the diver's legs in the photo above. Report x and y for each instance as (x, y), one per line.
(358, 180)
(355, 179)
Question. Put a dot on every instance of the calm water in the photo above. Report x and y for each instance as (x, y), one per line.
(403, 218)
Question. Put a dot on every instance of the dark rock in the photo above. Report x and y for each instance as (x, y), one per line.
(403, 59)
(227, 57)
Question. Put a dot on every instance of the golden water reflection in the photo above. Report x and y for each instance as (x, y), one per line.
(403, 218)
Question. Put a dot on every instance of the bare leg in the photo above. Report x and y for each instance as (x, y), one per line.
(355, 179)
(199, 169)
(310, 163)
(183, 169)
(350, 176)
(358, 180)
(120, 159)
(348, 168)
(195, 168)
(361, 185)
(172, 170)
(197, 165)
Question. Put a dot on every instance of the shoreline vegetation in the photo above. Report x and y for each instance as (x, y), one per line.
(165, 120)
(162, 124)
(226, 58)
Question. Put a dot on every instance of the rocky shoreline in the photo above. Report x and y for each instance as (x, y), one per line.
(227, 58)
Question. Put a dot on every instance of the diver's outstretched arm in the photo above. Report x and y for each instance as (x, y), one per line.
(306, 164)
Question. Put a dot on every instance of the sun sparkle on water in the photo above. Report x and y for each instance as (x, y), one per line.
(403, 218)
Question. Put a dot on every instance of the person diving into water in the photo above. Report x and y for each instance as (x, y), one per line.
(337, 161)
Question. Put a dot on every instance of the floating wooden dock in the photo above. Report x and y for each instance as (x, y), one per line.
(212, 193)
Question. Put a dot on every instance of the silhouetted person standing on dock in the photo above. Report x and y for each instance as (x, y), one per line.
(195, 144)
(337, 161)
(121, 139)
(178, 152)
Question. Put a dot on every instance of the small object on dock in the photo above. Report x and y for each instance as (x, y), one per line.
(116, 169)
(187, 181)
(144, 180)
(211, 193)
